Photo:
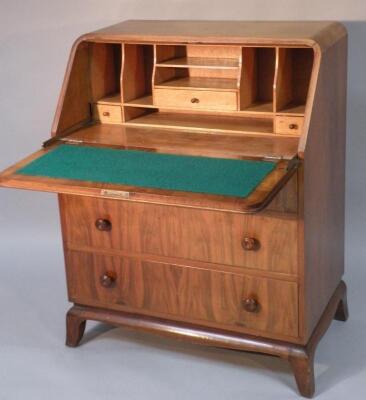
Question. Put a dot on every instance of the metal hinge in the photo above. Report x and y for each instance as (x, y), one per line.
(56, 139)
(293, 163)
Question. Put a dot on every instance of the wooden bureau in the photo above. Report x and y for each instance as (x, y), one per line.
(199, 168)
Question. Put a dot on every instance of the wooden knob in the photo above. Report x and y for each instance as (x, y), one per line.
(195, 100)
(293, 126)
(103, 224)
(108, 279)
(250, 244)
(250, 305)
(106, 114)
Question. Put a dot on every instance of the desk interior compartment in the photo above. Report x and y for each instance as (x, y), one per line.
(201, 60)
(257, 79)
(137, 71)
(293, 79)
(195, 67)
(105, 71)
(105, 75)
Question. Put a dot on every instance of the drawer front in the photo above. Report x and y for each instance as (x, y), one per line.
(196, 99)
(194, 295)
(108, 114)
(259, 242)
(289, 125)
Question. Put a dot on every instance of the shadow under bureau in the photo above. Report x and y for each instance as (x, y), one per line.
(199, 167)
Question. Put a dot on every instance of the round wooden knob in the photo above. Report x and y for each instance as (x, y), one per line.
(195, 100)
(108, 279)
(293, 126)
(250, 244)
(106, 114)
(103, 224)
(250, 305)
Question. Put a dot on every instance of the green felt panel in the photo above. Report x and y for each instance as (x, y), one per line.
(151, 170)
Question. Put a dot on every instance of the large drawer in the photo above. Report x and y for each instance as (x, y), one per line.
(252, 241)
(196, 99)
(202, 296)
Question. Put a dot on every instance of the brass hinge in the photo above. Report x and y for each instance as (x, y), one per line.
(56, 139)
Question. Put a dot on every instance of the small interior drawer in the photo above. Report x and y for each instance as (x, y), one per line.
(289, 125)
(107, 114)
(260, 242)
(196, 99)
(207, 297)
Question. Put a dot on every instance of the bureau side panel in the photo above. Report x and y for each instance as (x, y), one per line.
(322, 195)
(73, 105)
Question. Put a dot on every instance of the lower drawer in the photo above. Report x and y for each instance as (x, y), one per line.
(235, 301)
(196, 99)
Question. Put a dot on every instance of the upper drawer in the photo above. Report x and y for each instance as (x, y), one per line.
(196, 99)
(237, 301)
(252, 241)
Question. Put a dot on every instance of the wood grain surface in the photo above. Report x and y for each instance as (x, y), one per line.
(193, 294)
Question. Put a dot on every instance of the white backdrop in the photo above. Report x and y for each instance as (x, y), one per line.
(35, 40)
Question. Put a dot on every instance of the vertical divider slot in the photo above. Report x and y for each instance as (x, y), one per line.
(294, 67)
(257, 79)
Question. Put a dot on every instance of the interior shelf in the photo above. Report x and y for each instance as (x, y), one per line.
(113, 99)
(203, 122)
(200, 83)
(293, 108)
(186, 142)
(201, 62)
(145, 101)
(260, 107)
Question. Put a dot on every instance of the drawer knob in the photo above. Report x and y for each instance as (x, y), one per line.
(250, 244)
(106, 114)
(293, 126)
(195, 100)
(250, 305)
(108, 279)
(103, 224)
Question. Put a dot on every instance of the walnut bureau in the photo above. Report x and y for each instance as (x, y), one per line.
(259, 272)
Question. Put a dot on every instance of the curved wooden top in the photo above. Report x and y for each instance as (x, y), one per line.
(309, 33)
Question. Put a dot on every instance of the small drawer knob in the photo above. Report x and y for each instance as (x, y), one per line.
(250, 244)
(108, 279)
(195, 100)
(293, 126)
(250, 305)
(103, 224)
(106, 114)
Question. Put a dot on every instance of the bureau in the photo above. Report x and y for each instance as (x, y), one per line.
(199, 167)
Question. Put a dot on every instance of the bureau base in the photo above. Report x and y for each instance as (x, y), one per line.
(300, 357)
